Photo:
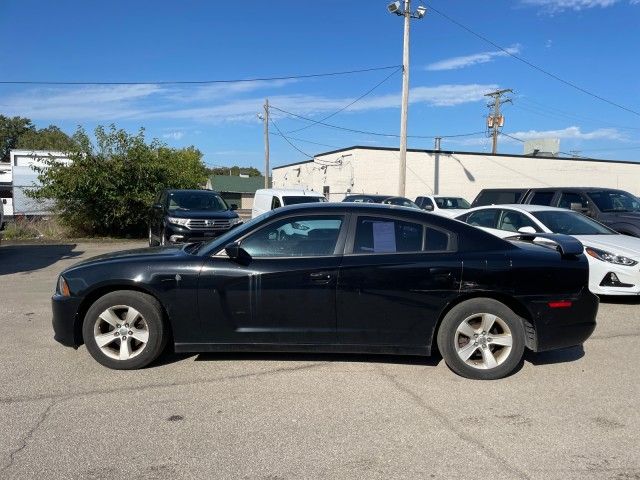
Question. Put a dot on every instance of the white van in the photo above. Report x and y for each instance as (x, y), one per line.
(267, 199)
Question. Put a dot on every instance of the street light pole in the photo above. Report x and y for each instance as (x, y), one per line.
(405, 11)
(402, 176)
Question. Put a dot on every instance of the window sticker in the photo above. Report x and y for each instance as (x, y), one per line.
(384, 237)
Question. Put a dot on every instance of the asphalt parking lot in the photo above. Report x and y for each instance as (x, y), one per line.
(571, 414)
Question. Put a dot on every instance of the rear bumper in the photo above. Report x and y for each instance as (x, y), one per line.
(65, 312)
(563, 327)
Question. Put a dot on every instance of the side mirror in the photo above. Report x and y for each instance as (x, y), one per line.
(234, 206)
(238, 254)
(527, 230)
(577, 207)
(428, 208)
(157, 206)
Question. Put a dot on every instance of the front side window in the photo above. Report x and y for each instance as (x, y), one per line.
(301, 236)
(567, 198)
(511, 221)
(483, 218)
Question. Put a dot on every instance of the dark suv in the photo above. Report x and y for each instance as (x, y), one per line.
(181, 216)
(616, 209)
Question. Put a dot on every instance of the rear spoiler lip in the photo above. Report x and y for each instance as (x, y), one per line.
(568, 246)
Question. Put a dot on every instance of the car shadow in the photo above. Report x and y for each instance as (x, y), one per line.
(170, 357)
(564, 355)
(27, 258)
(620, 299)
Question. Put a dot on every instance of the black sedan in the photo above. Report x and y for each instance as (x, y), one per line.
(333, 278)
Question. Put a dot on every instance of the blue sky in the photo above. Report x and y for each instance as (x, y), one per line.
(592, 43)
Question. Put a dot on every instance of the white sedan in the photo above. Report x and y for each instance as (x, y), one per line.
(613, 257)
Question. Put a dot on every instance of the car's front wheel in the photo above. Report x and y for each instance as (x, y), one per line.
(125, 330)
(482, 338)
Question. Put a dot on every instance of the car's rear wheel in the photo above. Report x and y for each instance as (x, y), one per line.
(152, 242)
(482, 339)
(125, 330)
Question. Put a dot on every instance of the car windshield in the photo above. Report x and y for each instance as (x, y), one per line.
(615, 201)
(451, 202)
(203, 200)
(571, 223)
(225, 238)
(302, 199)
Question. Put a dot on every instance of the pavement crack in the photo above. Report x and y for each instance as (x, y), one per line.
(514, 471)
(24, 441)
(138, 388)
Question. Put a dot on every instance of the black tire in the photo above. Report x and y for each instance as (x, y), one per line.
(471, 311)
(152, 242)
(150, 312)
(163, 238)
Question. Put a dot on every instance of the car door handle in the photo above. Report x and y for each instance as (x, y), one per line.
(440, 272)
(321, 278)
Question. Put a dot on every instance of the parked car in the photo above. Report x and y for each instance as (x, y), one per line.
(440, 205)
(499, 196)
(267, 199)
(335, 277)
(383, 199)
(182, 216)
(613, 257)
(616, 209)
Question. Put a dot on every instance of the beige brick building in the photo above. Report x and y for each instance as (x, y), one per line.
(375, 170)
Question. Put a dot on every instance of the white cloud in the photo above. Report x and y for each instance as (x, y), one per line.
(554, 6)
(469, 60)
(219, 104)
(177, 135)
(573, 133)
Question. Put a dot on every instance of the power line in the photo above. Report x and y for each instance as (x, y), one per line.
(526, 62)
(350, 104)
(287, 140)
(305, 141)
(204, 82)
(378, 134)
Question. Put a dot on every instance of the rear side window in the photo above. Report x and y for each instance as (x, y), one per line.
(483, 218)
(542, 198)
(275, 203)
(385, 235)
(498, 198)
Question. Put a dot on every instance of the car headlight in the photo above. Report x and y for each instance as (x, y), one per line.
(610, 257)
(235, 221)
(63, 287)
(178, 221)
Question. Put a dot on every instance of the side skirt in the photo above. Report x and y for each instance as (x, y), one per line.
(300, 348)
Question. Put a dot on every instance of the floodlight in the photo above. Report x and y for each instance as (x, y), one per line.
(394, 7)
(421, 11)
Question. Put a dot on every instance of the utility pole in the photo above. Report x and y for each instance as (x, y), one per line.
(436, 167)
(394, 7)
(402, 180)
(265, 120)
(495, 120)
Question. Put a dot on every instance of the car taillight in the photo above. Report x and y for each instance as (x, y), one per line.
(560, 304)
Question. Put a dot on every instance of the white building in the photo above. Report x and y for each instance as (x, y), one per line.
(375, 170)
(21, 175)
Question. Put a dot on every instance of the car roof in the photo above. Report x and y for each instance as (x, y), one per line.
(519, 206)
(370, 195)
(289, 191)
(190, 190)
(372, 208)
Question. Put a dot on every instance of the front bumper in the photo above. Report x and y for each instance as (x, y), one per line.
(65, 327)
(179, 234)
(627, 276)
(563, 327)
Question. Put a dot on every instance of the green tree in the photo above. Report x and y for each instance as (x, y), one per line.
(11, 129)
(235, 171)
(109, 187)
(50, 138)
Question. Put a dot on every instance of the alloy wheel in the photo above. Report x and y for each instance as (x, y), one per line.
(483, 341)
(121, 332)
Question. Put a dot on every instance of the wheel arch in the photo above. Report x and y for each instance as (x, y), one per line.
(511, 302)
(101, 291)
